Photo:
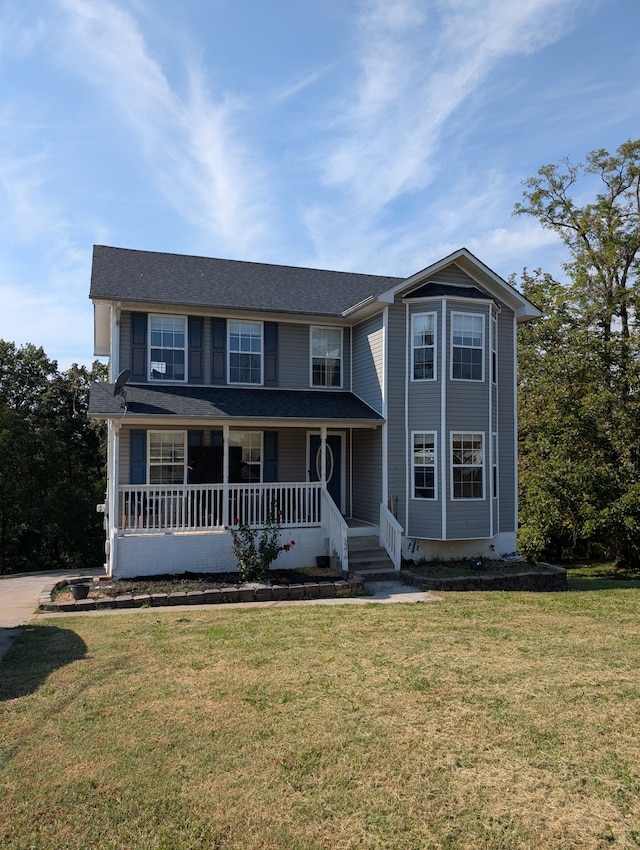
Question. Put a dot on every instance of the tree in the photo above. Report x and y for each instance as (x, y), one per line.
(51, 463)
(580, 364)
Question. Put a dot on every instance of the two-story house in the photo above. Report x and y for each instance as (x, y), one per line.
(352, 404)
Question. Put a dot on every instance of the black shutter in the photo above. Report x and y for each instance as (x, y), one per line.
(219, 350)
(139, 346)
(270, 459)
(196, 349)
(271, 354)
(138, 456)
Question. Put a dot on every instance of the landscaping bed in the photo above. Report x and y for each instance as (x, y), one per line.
(198, 589)
(487, 575)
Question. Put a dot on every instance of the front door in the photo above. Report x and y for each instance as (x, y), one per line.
(334, 465)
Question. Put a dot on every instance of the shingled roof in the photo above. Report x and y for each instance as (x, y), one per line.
(121, 274)
(188, 402)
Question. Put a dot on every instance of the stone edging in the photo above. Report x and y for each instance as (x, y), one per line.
(263, 593)
(540, 582)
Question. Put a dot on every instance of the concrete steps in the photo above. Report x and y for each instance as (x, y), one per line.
(368, 560)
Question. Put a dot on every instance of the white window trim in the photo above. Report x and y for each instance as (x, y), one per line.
(495, 470)
(434, 434)
(435, 349)
(326, 386)
(186, 348)
(494, 348)
(475, 347)
(229, 353)
(186, 454)
(476, 499)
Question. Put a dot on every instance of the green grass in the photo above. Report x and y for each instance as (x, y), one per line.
(484, 720)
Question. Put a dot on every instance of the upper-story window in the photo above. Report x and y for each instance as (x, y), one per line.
(423, 343)
(168, 338)
(245, 352)
(467, 346)
(326, 357)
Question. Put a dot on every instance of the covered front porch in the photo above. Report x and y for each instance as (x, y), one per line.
(186, 464)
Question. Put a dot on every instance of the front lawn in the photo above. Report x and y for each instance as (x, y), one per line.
(484, 720)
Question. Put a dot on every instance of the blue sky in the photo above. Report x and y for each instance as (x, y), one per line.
(373, 136)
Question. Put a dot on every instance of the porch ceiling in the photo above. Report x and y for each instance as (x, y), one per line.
(174, 402)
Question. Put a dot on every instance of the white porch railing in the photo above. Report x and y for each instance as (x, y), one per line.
(336, 528)
(391, 535)
(202, 507)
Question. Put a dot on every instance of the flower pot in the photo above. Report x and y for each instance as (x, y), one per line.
(80, 591)
(323, 561)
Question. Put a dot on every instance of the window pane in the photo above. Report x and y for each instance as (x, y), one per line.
(467, 466)
(166, 457)
(326, 357)
(424, 466)
(168, 342)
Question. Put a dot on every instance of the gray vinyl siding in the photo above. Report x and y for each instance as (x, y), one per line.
(396, 430)
(367, 474)
(125, 340)
(507, 461)
(123, 460)
(293, 356)
(368, 362)
(292, 454)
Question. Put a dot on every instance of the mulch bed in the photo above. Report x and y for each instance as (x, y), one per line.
(188, 582)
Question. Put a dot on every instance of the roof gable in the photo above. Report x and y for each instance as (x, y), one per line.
(487, 280)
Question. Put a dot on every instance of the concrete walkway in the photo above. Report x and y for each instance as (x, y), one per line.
(19, 596)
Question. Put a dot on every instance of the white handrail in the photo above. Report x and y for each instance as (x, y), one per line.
(336, 530)
(391, 535)
(201, 507)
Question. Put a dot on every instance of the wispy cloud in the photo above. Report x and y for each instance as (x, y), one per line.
(190, 142)
(418, 65)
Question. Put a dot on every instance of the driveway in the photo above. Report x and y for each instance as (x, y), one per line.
(19, 596)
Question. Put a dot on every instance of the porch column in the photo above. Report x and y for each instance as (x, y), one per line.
(225, 475)
(114, 495)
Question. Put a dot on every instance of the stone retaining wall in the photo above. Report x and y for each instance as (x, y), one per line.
(262, 593)
(535, 581)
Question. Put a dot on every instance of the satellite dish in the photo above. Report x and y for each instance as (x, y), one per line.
(121, 380)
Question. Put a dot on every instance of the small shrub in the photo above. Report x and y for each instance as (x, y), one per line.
(256, 549)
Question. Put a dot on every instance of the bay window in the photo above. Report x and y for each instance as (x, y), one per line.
(424, 465)
(467, 466)
(423, 327)
(467, 346)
